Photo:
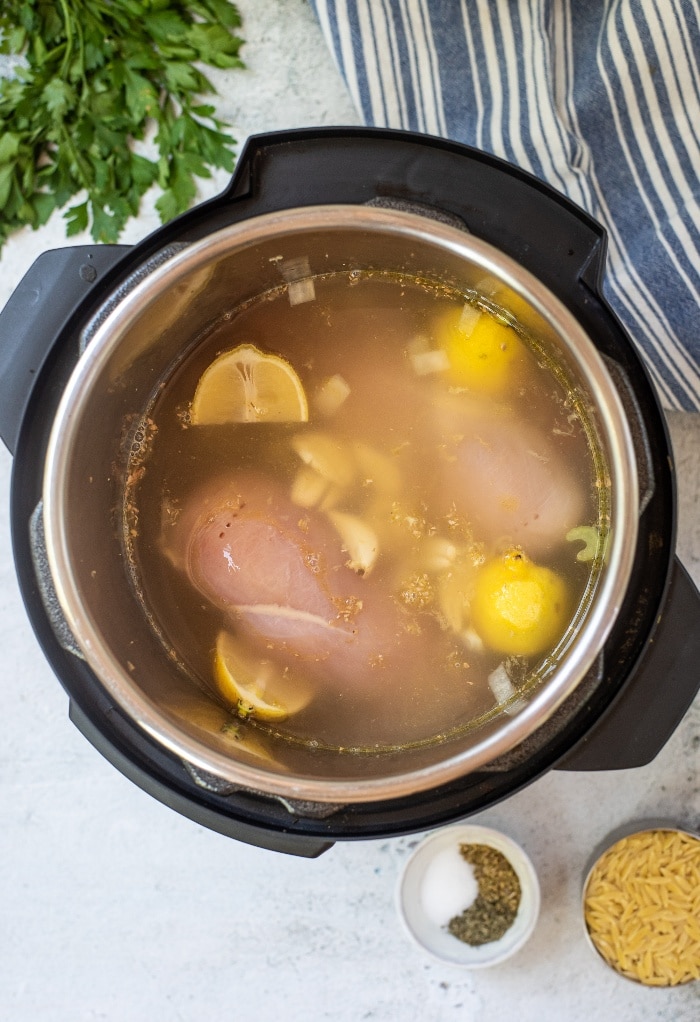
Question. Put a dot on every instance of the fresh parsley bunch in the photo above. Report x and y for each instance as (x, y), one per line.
(96, 75)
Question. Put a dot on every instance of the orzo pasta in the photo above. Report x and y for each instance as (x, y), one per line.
(642, 907)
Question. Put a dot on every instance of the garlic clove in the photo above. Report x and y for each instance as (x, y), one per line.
(327, 455)
(359, 540)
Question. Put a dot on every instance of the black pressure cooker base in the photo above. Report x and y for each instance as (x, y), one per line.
(278, 825)
(647, 675)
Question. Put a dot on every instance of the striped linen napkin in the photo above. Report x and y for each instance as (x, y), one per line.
(600, 98)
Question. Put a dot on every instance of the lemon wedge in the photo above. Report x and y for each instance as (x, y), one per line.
(482, 353)
(248, 385)
(253, 687)
(519, 607)
(203, 714)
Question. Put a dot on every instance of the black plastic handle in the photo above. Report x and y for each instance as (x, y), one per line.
(658, 694)
(510, 208)
(513, 209)
(36, 312)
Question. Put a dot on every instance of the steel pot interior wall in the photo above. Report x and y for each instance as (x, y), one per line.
(130, 354)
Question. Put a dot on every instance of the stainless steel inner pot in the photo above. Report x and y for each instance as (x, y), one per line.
(130, 352)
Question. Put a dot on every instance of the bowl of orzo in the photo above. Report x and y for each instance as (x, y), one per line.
(641, 905)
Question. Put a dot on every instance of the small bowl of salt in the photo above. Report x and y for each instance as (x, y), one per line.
(469, 895)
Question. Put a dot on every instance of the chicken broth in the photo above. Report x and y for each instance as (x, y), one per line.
(347, 515)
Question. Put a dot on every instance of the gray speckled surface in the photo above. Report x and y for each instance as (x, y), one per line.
(113, 907)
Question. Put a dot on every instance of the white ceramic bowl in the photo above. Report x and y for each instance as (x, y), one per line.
(437, 939)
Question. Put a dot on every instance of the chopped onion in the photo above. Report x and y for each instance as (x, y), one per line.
(332, 393)
(300, 284)
(488, 286)
(503, 689)
(300, 291)
(469, 318)
(472, 640)
(433, 361)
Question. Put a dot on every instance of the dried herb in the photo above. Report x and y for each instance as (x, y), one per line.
(95, 77)
(496, 905)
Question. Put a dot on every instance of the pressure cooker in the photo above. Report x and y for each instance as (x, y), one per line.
(82, 323)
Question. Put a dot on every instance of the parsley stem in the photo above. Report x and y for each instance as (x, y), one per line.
(69, 36)
(83, 173)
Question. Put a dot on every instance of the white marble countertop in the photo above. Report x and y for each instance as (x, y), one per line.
(114, 907)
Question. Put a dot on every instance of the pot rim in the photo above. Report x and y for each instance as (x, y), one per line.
(610, 417)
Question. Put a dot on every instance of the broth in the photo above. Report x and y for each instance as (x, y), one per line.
(420, 467)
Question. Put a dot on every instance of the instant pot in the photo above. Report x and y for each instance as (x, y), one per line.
(83, 318)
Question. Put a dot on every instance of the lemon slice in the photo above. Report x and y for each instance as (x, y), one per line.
(248, 385)
(253, 687)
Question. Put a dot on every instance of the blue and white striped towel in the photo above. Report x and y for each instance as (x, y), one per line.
(600, 98)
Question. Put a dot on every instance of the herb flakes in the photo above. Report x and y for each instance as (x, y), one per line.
(496, 905)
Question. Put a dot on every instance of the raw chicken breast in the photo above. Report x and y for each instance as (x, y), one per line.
(280, 574)
(514, 484)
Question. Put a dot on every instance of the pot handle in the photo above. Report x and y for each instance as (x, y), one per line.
(34, 316)
(657, 695)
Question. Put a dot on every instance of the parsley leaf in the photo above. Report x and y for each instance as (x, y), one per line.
(98, 76)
